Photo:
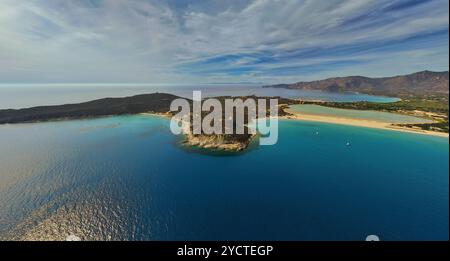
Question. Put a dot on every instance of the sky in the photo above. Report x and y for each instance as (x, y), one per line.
(218, 41)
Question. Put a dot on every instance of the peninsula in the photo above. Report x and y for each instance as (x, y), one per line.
(155, 103)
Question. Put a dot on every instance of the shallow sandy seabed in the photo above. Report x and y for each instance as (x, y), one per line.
(358, 122)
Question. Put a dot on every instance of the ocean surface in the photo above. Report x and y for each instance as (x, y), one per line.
(357, 114)
(127, 178)
(15, 96)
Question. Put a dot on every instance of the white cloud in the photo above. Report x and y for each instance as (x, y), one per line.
(145, 41)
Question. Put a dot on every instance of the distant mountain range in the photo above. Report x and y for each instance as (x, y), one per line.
(419, 83)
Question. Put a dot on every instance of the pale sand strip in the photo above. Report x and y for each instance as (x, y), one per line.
(342, 121)
(159, 114)
(359, 122)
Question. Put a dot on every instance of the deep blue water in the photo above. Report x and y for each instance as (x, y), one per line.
(126, 178)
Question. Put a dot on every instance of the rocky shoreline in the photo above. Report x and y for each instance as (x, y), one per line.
(217, 142)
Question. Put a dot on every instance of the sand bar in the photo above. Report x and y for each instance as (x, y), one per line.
(359, 122)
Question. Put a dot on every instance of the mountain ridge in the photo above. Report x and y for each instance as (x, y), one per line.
(419, 83)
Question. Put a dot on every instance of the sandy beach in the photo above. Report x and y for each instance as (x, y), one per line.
(159, 114)
(340, 120)
(359, 122)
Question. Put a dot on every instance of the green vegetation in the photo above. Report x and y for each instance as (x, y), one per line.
(433, 107)
(439, 126)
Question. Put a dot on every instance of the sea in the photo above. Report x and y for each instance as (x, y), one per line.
(16, 96)
(129, 178)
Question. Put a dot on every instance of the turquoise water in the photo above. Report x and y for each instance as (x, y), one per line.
(357, 114)
(125, 178)
(14, 96)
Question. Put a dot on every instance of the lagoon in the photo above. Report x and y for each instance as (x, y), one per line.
(357, 114)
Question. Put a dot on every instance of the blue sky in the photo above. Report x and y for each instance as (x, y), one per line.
(181, 41)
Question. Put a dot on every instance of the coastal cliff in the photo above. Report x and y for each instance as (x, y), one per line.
(219, 142)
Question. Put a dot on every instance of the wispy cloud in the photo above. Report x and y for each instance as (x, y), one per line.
(212, 41)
